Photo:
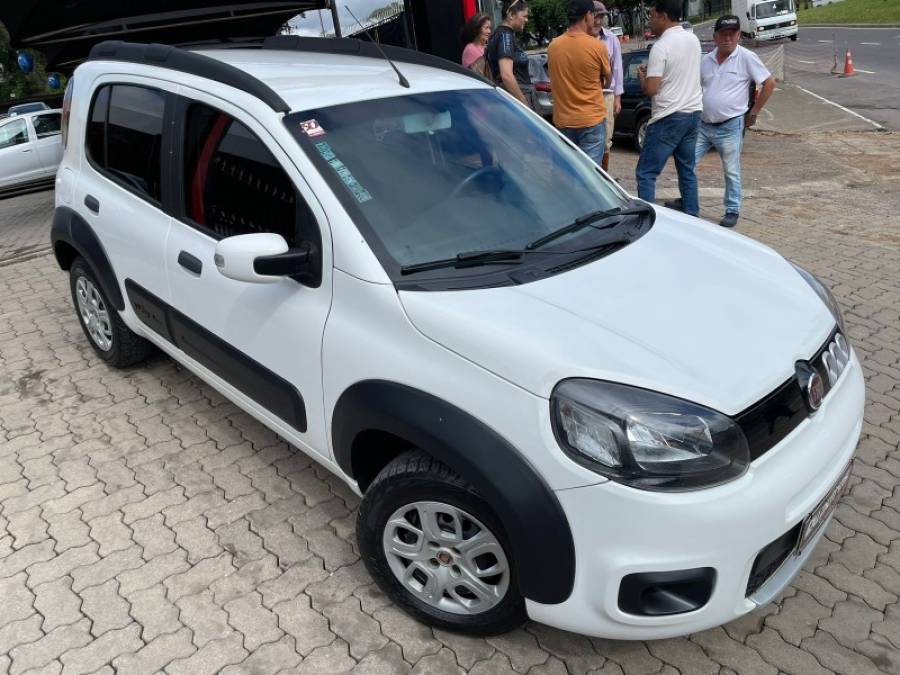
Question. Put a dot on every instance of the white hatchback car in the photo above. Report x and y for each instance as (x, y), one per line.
(30, 149)
(556, 401)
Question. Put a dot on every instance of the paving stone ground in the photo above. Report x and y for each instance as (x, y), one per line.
(148, 525)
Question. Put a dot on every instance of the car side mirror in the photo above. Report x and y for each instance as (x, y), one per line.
(261, 258)
(748, 15)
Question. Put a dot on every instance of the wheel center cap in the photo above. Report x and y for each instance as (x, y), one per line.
(444, 557)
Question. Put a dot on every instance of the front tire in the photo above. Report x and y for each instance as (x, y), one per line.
(110, 338)
(437, 550)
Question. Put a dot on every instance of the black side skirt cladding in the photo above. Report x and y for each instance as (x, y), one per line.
(253, 379)
(535, 522)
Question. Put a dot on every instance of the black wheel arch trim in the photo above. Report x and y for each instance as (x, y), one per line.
(70, 228)
(537, 527)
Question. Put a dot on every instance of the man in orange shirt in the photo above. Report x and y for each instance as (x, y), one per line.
(579, 67)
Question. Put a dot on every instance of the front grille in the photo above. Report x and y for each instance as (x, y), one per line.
(768, 421)
(771, 558)
(784, 24)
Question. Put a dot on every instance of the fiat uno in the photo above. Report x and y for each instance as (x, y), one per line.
(555, 400)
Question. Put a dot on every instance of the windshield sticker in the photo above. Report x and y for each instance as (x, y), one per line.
(312, 128)
(359, 192)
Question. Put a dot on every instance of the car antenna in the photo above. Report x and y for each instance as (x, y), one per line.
(403, 81)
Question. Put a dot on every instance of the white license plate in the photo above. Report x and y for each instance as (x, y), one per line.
(819, 515)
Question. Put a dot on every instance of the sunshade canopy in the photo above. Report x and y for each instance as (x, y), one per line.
(65, 30)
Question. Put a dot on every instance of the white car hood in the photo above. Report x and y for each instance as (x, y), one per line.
(689, 309)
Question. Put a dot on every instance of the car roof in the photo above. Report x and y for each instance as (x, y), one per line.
(33, 113)
(316, 79)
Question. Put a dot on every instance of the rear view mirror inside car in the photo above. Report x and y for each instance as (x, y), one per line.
(418, 123)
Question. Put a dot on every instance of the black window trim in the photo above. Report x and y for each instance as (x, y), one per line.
(164, 203)
(180, 109)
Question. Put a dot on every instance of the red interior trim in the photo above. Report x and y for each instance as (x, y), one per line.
(201, 170)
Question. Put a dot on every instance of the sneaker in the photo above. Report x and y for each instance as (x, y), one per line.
(674, 204)
(729, 220)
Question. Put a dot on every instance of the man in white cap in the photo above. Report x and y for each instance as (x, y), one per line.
(612, 94)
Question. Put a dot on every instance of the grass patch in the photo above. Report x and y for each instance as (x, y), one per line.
(851, 11)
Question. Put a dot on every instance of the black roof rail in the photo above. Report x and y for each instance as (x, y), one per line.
(192, 63)
(356, 47)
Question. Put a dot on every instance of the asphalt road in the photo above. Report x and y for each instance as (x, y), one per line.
(874, 92)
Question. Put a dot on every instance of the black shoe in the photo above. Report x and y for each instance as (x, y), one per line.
(729, 220)
(674, 204)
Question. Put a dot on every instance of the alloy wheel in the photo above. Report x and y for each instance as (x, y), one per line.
(446, 558)
(94, 313)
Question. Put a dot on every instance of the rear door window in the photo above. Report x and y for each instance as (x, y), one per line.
(125, 134)
(634, 64)
(47, 125)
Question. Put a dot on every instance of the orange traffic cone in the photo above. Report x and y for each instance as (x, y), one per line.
(848, 65)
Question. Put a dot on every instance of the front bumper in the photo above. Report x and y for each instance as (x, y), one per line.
(619, 530)
(777, 33)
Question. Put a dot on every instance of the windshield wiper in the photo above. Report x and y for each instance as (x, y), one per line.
(587, 220)
(468, 259)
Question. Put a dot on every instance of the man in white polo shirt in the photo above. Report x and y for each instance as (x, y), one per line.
(672, 80)
(727, 73)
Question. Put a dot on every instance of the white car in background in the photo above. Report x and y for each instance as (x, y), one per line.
(30, 149)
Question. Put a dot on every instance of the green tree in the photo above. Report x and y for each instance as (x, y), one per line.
(546, 18)
(14, 84)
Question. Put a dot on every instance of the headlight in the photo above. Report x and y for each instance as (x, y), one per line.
(825, 294)
(645, 439)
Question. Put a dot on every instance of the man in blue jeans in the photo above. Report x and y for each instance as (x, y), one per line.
(672, 79)
(726, 74)
(579, 66)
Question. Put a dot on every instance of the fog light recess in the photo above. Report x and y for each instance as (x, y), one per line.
(663, 593)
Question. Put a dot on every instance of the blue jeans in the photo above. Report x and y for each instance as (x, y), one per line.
(728, 139)
(590, 139)
(673, 136)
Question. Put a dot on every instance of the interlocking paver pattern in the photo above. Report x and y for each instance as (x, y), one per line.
(147, 524)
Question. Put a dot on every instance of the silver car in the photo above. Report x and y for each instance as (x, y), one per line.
(540, 79)
(30, 149)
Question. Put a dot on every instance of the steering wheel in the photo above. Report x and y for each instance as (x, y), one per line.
(471, 178)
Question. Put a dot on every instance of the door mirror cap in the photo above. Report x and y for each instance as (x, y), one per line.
(235, 257)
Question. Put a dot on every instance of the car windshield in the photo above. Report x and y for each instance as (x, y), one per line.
(766, 10)
(430, 176)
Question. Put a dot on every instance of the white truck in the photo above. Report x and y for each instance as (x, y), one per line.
(766, 19)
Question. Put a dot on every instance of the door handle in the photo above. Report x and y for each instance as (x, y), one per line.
(26, 149)
(190, 263)
(92, 203)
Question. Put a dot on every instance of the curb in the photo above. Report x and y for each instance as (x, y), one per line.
(848, 25)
